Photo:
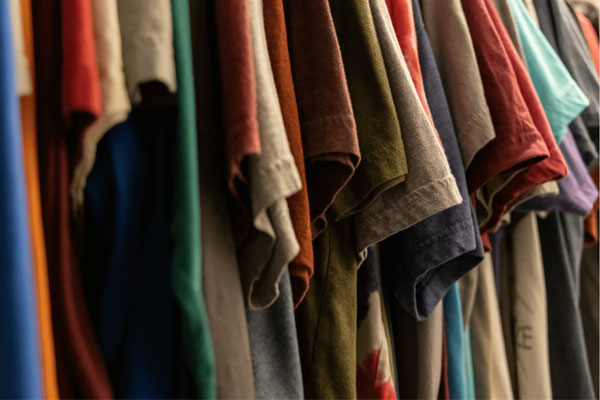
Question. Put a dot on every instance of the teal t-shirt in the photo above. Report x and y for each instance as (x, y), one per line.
(187, 271)
(560, 95)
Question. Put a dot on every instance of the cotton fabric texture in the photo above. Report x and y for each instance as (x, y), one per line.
(186, 259)
(561, 236)
(328, 128)
(301, 268)
(273, 176)
(449, 34)
(523, 309)
(238, 89)
(20, 58)
(147, 43)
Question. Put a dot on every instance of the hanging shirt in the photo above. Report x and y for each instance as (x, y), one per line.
(430, 187)
(22, 68)
(79, 362)
(562, 31)
(238, 96)
(561, 97)
(20, 369)
(301, 268)
(221, 284)
(490, 368)
(147, 41)
(588, 304)
(449, 35)
(185, 229)
(327, 125)
(561, 236)
(505, 190)
(374, 376)
(115, 100)
(523, 309)
(273, 176)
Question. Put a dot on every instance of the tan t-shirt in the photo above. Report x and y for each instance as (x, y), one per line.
(147, 40)
(429, 186)
(449, 36)
(524, 310)
(22, 70)
(490, 367)
(273, 176)
(115, 101)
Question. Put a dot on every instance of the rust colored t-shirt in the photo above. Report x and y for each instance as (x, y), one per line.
(238, 88)
(301, 268)
(518, 143)
(79, 364)
(327, 124)
(549, 169)
(591, 37)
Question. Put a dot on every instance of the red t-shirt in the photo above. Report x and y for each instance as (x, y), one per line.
(73, 79)
(551, 168)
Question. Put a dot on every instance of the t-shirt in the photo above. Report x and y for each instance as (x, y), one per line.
(326, 320)
(448, 33)
(430, 255)
(401, 15)
(490, 368)
(504, 191)
(266, 251)
(374, 374)
(383, 164)
(21, 367)
(127, 254)
(21, 67)
(561, 98)
(79, 362)
(329, 137)
(274, 347)
(80, 68)
(578, 193)
(453, 324)
(221, 284)
(238, 97)
(562, 31)
(301, 268)
(429, 187)
(518, 143)
(147, 44)
(561, 236)
(523, 309)
(186, 274)
(505, 13)
(30, 147)
(419, 347)
(115, 100)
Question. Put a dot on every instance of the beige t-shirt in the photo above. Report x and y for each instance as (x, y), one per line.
(22, 70)
(271, 244)
(115, 101)
(147, 40)
(490, 367)
(449, 36)
(524, 310)
(419, 346)
(429, 186)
